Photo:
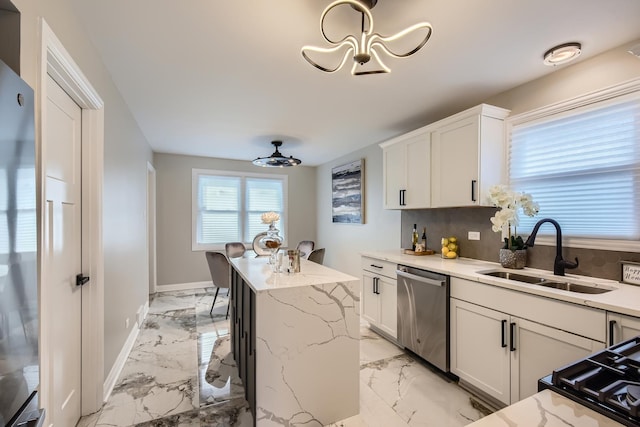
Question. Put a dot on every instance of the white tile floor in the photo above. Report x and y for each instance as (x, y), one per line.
(181, 373)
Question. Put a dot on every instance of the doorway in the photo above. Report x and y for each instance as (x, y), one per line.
(59, 72)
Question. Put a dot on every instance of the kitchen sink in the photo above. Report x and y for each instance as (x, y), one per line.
(557, 282)
(515, 276)
(575, 287)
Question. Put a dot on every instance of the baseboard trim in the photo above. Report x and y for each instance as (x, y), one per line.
(117, 367)
(184, 286)
(142, 313)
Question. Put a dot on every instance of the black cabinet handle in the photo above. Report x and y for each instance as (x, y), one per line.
(473, 190)
(373, 281)
(377, 285)
(81, 280)
(612, 326)
(376, 266)
(400, 197)
(512, 334)
(504, 333)
(402, 194)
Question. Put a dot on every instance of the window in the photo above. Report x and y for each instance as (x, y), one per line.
(582, 165)
(227, 206)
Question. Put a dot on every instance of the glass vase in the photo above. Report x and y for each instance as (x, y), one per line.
(272, 242)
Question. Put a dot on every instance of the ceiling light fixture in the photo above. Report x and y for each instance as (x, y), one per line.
(366, 51)
(562, 54)
(276, 160)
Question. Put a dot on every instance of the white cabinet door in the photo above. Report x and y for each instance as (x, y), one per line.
(370, 300)
(407, 172)
(388, 299)
(418, 152)
(536, 350)
(621, 327)
(395, 175)
(455, 160)
(479, 348)
(380, 302)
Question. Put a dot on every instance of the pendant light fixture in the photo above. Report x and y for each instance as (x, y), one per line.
(276, 160)
(367, 50)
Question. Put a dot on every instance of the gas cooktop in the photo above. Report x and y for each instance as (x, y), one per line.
(607, 382)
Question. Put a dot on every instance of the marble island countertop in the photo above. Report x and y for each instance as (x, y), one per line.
(624, 299)
(259, 275)
(296, 337)
(547, 409)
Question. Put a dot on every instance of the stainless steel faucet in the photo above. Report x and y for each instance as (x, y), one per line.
(559, 264)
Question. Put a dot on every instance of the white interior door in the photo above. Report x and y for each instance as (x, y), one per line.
(62, 246)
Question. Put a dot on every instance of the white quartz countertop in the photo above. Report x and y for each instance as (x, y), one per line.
(547, 409)
(258, 274)
(624, 299)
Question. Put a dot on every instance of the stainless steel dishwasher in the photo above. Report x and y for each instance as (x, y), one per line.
(423, 314)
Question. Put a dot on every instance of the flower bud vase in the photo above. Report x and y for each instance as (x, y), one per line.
(513, 259)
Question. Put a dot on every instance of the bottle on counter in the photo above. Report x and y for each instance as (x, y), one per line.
(424, 238)
(414, 237)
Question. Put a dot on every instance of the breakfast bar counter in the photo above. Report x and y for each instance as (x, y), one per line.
(295, 339)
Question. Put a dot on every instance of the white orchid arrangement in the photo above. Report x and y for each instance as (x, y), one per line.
(510, 203)
(270, 217)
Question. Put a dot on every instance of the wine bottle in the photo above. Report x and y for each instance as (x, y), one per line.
(424, 237)
(414, 237)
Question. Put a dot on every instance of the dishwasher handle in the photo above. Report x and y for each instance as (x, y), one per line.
(421, 279)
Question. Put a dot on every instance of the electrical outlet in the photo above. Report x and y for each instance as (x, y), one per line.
(474, 235)
(126, 323)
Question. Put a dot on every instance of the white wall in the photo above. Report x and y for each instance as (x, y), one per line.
(344, 242)
(126, 153)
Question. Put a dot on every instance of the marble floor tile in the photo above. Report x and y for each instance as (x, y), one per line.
(219, 380)
(374, 412)
(374, 347)
(232, 413)
(181, 373)
(420, 396)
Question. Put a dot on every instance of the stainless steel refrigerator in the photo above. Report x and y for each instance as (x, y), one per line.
(19, 364)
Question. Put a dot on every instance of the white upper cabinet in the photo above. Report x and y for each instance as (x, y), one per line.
(406, 166)
(467, 156)
(449, 163)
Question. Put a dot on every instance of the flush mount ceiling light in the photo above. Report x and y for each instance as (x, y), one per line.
(562, 54)
(276, 160)
(365, 51)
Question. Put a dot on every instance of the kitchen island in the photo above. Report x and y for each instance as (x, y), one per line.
(295, 339)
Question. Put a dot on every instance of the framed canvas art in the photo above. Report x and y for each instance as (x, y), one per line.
(347, 195)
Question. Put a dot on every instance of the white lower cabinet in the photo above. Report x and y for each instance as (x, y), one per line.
(621, 327)
(379, 296)
(479, 353)
(504, 355)
(538, 350)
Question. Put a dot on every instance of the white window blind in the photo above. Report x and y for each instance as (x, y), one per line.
(583, 168)
(228, 206)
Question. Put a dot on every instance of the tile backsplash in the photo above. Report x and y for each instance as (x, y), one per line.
(445, 222)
